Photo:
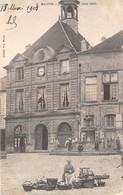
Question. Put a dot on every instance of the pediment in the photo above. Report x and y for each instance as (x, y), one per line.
(19, 57)
(64, 48)
(42, 53)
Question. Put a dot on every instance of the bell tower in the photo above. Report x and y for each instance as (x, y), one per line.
(69, 13)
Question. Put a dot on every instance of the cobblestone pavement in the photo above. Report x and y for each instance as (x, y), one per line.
(18, 168)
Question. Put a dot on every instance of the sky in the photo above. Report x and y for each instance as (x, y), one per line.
(33, 18)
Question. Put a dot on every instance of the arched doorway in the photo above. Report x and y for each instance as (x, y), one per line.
(64, 131)
(19, 139)
(41, 137)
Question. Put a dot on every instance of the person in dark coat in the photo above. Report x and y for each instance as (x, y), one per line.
(118, 145)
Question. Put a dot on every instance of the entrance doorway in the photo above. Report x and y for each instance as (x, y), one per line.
(20, 139)
(64, 132)
(41, 137)
(2, 140)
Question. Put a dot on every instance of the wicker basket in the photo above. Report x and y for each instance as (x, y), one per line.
(89, 183)
(48, 187)
(101, 183)
(64, 186)
(27, 186)
(77, 184)
(52, 181)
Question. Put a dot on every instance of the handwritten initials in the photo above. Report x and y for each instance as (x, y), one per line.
(12, 21)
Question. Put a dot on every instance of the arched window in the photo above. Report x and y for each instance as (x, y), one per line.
(64, 132)
(69, 12)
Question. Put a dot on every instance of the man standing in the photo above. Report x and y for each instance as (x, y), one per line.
(68, 172)
(118, 144)
(122, 161)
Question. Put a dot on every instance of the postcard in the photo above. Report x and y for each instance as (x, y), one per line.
(61, 97)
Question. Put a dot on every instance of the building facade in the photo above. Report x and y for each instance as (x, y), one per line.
(42, 93)
(60, 88)
(2, 112)
(101, 92)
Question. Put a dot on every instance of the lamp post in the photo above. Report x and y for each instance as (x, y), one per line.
(79, 126)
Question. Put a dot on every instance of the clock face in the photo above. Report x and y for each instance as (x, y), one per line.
(41, 71)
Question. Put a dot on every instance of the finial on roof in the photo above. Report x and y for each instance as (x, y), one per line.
(27, 46)
(103, 38)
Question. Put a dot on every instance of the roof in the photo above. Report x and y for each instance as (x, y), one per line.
(112, 44)
(59, 34)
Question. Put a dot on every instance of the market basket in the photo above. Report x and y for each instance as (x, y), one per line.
(77, 184)
(52, 181)
(88, 183)
(101, 183)
(48, 187)
(63, 186)
(27, 186)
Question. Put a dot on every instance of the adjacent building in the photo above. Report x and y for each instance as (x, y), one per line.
(2, 112)
(101, 91)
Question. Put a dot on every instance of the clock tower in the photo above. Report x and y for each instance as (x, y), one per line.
(69, 13)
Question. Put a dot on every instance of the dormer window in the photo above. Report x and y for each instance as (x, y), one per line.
(65, 66)
(69, 12)
(20, 74)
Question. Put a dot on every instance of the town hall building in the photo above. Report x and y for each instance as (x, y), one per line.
(42, 94)
(61, 88)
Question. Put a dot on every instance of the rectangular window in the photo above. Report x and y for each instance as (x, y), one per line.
(64, 96)
(65, 66)
(91, 89)
(41, 101)
(106, 78)
(110, 121)
(110, 86)
(113, 77)
(20, 73)
(19, 100)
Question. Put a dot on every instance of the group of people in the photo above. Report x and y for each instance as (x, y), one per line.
(70, 143)
(114, 143)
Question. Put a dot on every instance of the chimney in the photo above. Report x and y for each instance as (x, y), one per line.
(84, 45)
(103, 38)
(27, 46)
